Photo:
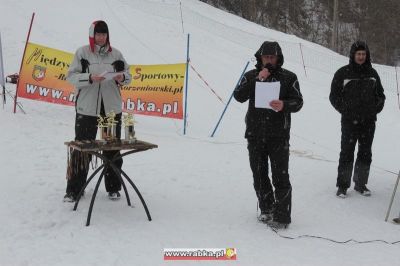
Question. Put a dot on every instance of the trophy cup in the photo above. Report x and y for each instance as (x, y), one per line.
(111, 126)
(102, 126)
(129, 128)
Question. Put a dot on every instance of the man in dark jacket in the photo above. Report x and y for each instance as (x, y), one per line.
(357, 94)
(268, 132)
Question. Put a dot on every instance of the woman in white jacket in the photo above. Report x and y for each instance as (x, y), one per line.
(95, 96)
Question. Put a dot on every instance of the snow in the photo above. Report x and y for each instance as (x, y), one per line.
(198, 189)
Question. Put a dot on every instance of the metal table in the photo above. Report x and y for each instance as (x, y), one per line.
(95, 148)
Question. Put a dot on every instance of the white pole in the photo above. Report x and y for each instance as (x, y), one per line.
(180, 6)
(2, 80)
(302, 59)
(391, 200)
(397, 84)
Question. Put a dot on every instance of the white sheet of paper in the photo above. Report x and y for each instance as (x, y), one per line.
(109, 75)
(266, 92)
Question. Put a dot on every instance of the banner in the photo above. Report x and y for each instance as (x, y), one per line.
(155, 90)
(43, 75)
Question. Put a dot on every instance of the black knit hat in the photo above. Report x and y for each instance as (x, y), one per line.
(101, 27)
(98, 26)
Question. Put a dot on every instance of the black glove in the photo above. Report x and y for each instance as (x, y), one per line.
(271, 68)
(85, 65)
(118, 65)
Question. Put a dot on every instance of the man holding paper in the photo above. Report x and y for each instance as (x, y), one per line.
(97, 93)
(273, 93)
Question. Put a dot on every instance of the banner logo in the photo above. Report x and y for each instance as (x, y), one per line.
(38, 73)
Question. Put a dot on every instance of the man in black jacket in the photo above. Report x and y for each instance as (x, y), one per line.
(356, 93)
(268, 132)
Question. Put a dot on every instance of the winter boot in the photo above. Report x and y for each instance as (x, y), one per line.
(341, 192)
(275, 225)
(265, 216)
(363, 190)
(70, 197)
(114, 195)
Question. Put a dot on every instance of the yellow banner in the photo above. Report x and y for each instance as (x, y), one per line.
(43, 75)
(155, 90)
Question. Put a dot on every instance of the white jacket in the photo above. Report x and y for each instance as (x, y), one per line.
(88, 95)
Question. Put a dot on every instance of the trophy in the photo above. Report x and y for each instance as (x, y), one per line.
(129, 128)
(111, 126)
(102, 126)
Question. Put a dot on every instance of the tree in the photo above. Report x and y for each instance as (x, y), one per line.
(377, 22)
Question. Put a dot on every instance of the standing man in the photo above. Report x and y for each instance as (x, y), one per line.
(268, 133)
(357, 94)
(95, 96)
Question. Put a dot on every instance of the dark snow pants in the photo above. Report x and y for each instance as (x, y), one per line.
(86, 129)
(277, 150)
(352, 132)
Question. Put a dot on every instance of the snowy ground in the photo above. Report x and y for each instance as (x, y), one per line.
(198, 189)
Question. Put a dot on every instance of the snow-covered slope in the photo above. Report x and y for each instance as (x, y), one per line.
(198, 189)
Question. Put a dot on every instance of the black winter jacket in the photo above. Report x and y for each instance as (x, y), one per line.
(356, 90)
(266, 123)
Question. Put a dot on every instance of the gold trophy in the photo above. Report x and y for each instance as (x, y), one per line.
(129, 128)
(111, 126)
(102, 126)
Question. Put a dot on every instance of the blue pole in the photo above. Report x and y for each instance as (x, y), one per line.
(227, 104)
(186, 85)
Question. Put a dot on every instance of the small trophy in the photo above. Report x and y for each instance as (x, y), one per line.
(129, 128)
(102, 126)
(111, 126)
